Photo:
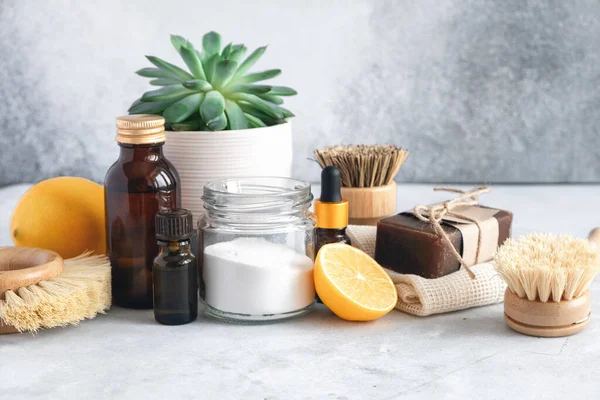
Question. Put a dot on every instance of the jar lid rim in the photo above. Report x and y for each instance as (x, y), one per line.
(288, 186)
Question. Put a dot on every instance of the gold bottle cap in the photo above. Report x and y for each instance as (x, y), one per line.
(141, 129)
(331, 215)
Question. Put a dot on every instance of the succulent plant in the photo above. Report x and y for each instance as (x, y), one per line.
(217, 93)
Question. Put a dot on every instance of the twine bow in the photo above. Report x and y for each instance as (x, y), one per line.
(435, 214)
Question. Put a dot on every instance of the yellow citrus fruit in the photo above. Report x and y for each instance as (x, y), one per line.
(64, 214)
(352, 284)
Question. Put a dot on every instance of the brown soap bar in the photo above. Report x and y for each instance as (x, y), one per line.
(408, 245)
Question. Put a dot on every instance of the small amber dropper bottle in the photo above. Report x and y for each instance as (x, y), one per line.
(175, 273)
(331, 210)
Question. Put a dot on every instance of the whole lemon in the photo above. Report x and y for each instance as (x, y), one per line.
(64, 214)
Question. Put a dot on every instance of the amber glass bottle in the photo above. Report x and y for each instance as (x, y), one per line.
(175, 273)
(139, 184)
(331, 210)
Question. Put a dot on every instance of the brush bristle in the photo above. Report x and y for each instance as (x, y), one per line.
(82, 291)
(364, 166)
(548, 267)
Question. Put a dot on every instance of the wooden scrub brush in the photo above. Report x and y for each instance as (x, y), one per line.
(39, 290)
(367, 174)
(548, 277)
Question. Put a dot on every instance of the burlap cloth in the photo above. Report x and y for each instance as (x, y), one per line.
(420, 296)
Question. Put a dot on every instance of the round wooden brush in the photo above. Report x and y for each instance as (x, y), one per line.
(367, 174)
(548, 277)
(40, 290)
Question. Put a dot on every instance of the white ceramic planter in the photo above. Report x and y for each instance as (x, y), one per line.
(200, 157)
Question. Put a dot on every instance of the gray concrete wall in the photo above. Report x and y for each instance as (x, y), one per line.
(478, 90)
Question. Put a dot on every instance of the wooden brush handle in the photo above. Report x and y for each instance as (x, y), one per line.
(368, 205)
(548, 319)
(24, 266)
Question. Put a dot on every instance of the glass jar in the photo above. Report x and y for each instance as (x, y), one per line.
(256, 238)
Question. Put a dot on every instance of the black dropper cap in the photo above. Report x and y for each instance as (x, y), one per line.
(331, 183)
(174, 225)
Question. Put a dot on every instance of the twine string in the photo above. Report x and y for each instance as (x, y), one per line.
(435, 214)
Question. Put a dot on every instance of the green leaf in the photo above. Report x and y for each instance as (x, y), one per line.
(218, 124)
(156, 73)
(258, 76)
(196, 124)
(212, 106)
(282, 91)
(255, 122)
(164, 81)
(237, 52)
(271, 98)
(165, 66)
(266, 107)
(183, 109)
(250, 61)
(267, 119)
(198, 84)
(154, 107)
(167, 92)
(251, 89)
(188, 53)
(286, 113)
(178, 41)
(235, 115)
(211, 43)
(209, 66)
(135, 103)
(224, 70)
(226, 51)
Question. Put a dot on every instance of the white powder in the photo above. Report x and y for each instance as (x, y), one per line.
(254, 276)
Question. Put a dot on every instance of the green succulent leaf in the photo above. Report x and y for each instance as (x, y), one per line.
(226, 50)
(255, 111)
(282, 91)
(224, 71)
(250, 61)
(154, 107)
(247, 88)
(165, 66)
(286, 113)
(271, 98)
(258, 76)
(218, 124)
(212, 106)
(164, 81)
(194, 124)
(235, 116)
(268, 108)
(178, 41)
(198, 84)
(156, 73)
(254, 121)
(237, 52)
(210, 65)
(168, 92)
(211, 43)
(183, 109)
(191, 59)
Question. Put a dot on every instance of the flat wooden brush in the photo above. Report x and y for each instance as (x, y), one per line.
(548, 277)
(367, 173)
(38, 289)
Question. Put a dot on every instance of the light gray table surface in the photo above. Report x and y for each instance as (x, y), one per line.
(461, 355)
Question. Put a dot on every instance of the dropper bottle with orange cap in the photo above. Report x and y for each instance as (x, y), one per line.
(331, 210)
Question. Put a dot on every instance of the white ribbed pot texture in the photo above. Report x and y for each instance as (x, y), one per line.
(201, 157)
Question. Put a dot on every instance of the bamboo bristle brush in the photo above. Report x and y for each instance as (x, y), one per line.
(367, 174)
(548, 277)
(39, 290)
